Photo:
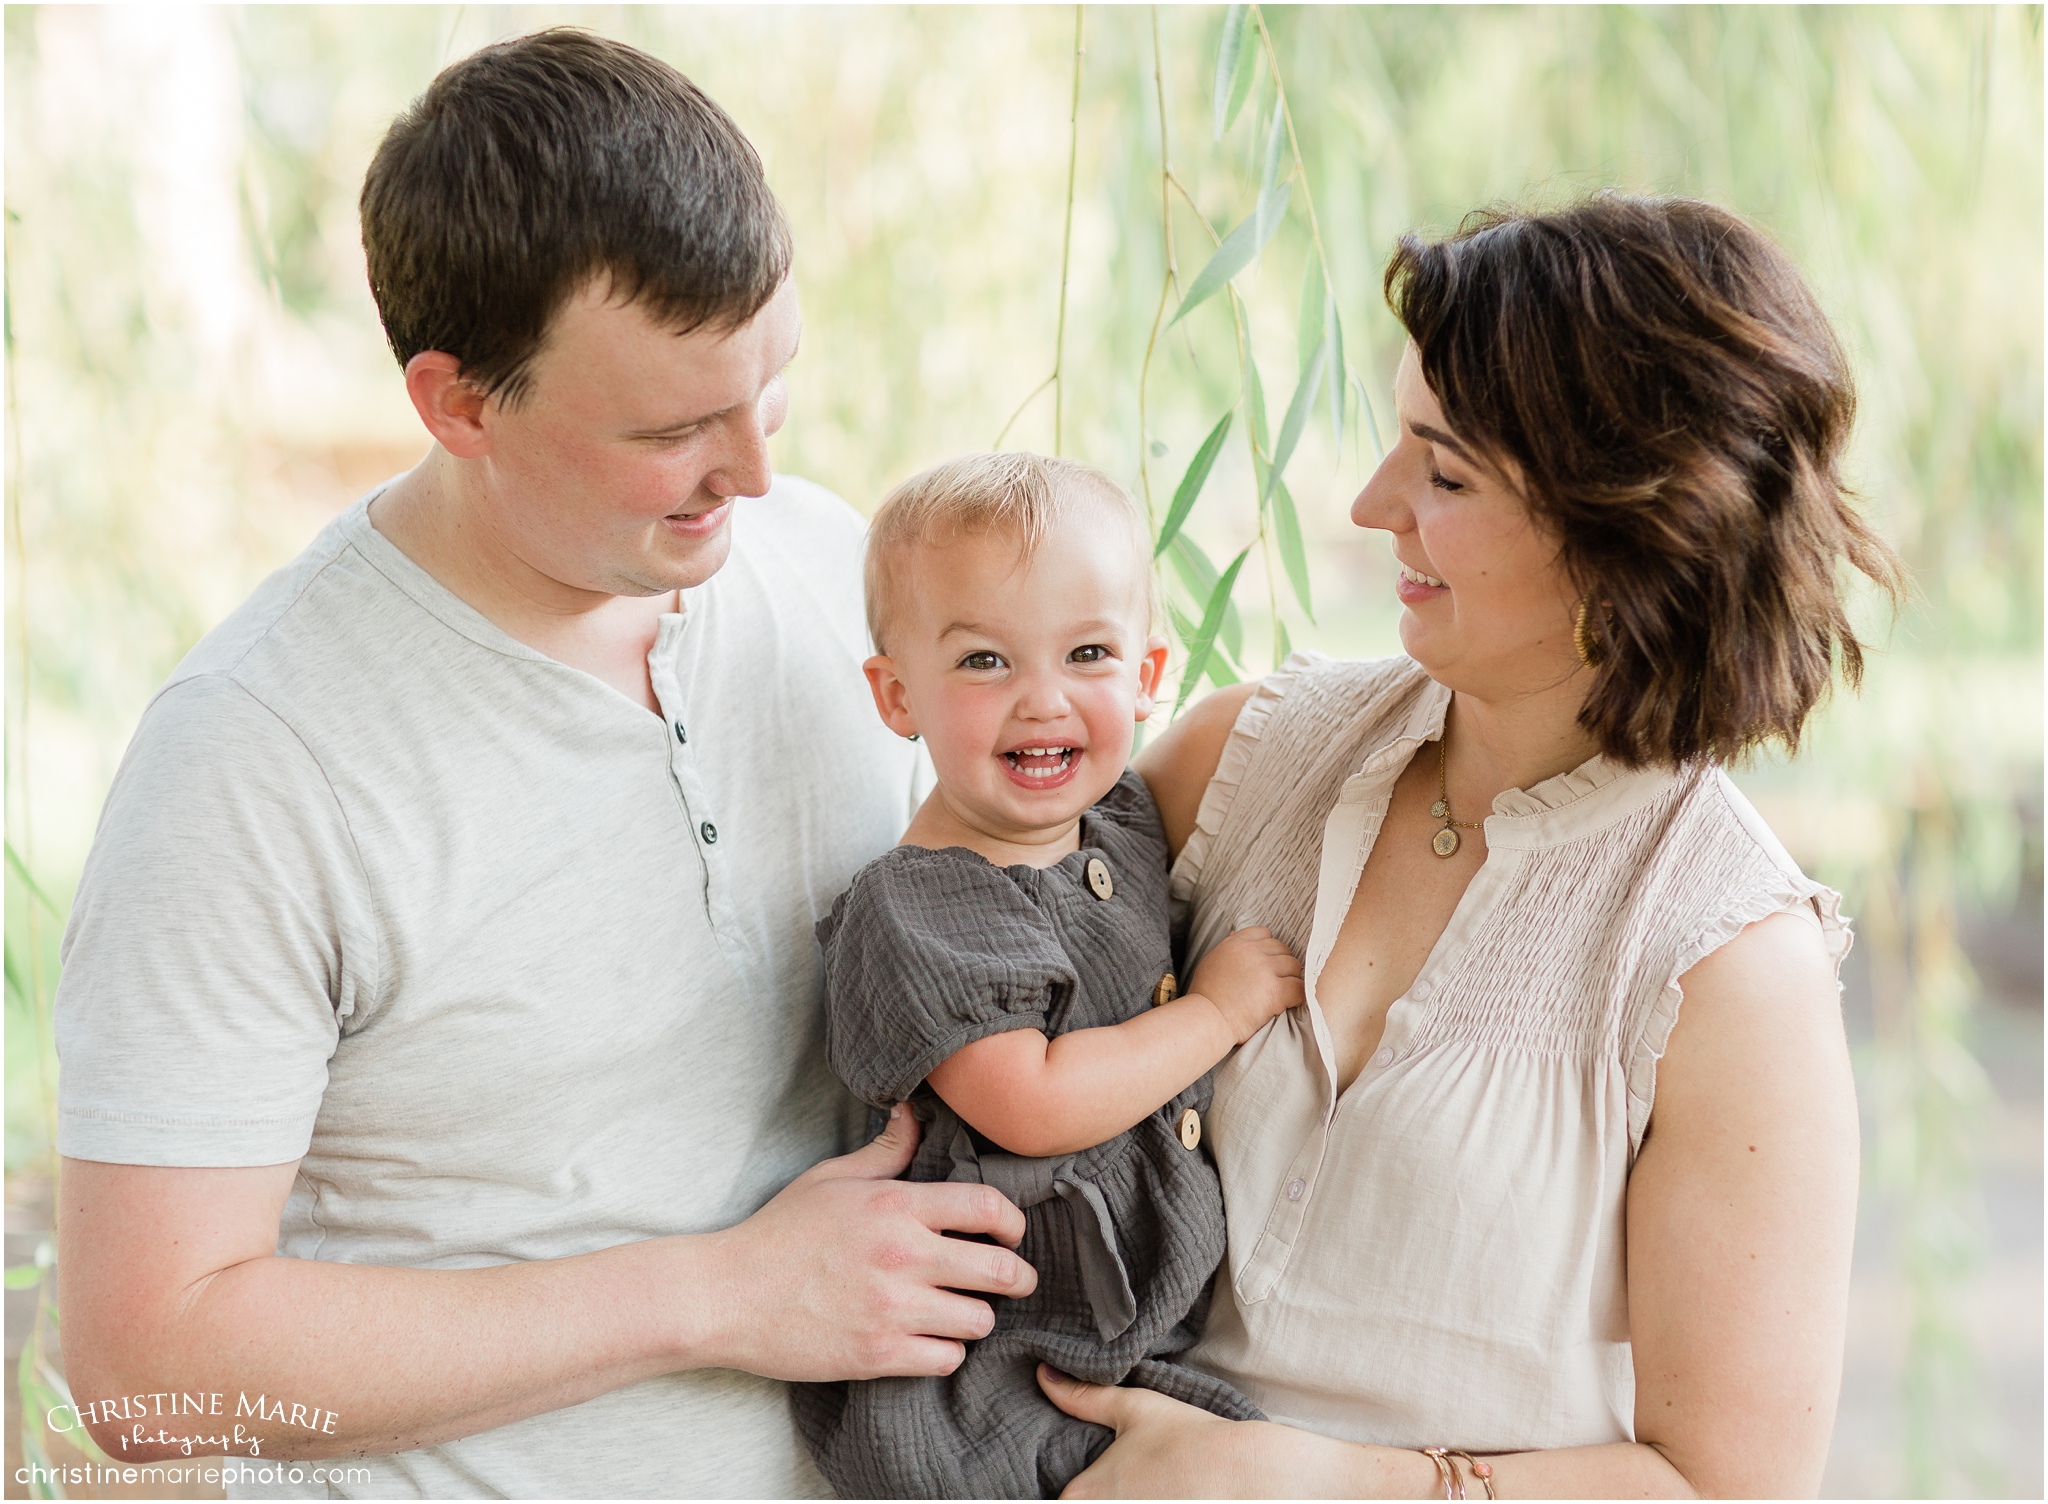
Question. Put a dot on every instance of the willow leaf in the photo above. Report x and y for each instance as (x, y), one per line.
(1256, 390)
(1368, 419)
(1297, 419)
(1205, 635)
(1287, 528)
(1191, 483)
(1223, 669)
(1227, 57)
(1271, 204)
(1334, 380)
(1240, 85)
(1199, 576)
(1230, 258)
(1310, 325)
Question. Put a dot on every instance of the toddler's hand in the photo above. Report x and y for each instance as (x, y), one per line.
(1250, 977)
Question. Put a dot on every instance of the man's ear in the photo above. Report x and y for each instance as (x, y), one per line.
(452, 409)
(1151, 669)
(892, 695)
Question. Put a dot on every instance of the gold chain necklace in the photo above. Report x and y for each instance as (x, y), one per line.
(1445, 842)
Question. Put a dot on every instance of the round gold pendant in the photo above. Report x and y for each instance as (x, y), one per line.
(1438, 810)
(1445, 843)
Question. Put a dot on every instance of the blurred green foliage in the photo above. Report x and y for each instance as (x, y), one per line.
(196, 381)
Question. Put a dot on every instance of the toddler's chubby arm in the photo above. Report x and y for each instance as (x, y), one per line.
(1039, 1096)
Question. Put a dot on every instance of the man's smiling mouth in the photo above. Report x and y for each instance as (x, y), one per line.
(1042, 762)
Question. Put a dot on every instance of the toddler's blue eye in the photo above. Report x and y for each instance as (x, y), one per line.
(981, 662)
(1095, 652)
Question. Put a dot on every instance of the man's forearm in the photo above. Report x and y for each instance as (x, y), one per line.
(396, 1358)
(170, 1286)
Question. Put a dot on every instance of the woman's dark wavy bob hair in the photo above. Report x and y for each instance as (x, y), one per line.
(1676, 404)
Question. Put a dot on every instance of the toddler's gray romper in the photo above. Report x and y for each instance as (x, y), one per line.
(929, 951)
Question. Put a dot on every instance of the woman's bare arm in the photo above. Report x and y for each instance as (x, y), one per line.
(1741, 1213)
(1178, 767)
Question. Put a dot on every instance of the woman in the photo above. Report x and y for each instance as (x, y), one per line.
(1494, 1190)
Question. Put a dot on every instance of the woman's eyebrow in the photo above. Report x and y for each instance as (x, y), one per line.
(1438, 436)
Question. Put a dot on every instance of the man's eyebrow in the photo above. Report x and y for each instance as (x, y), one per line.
(682, 423)
(1438, 436)
(678, 425)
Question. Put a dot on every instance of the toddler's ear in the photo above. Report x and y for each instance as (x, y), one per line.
(892, 695)
(1151, 669)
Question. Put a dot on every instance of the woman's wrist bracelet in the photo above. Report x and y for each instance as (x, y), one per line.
(1453, 1481)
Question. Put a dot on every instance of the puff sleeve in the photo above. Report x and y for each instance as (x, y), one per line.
(927, 952)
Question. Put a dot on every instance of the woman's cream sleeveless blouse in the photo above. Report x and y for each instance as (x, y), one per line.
(1437, 1257)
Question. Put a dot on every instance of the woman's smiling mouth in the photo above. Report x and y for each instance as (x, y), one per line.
(1412, 586)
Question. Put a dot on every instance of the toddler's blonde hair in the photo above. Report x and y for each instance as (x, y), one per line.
(1022, 494)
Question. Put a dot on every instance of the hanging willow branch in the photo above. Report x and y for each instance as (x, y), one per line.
(1059, 341)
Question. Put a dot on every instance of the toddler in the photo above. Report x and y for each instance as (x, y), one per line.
(1008, 971)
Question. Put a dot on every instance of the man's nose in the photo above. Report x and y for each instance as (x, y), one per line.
(743, 469)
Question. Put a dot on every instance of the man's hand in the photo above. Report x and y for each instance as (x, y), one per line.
(847, 1273)
(1250, 977)
(170, 1280)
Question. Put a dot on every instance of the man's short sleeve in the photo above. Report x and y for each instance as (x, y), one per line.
(221, 934)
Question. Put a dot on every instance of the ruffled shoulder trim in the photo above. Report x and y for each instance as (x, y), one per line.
(1652, 1036)
(1588, 778)
(1221, 793)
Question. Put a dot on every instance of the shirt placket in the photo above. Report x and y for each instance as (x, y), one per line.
(714, 850)
(1348, 836)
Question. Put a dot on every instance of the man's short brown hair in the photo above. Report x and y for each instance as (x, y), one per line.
(537, 165)
(1677, 406)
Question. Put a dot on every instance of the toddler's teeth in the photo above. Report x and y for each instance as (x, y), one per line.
(1061, 758)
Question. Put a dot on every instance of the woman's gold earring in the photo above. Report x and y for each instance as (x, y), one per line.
(1589, 651)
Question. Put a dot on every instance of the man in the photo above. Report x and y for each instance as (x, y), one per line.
(439, 1020)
